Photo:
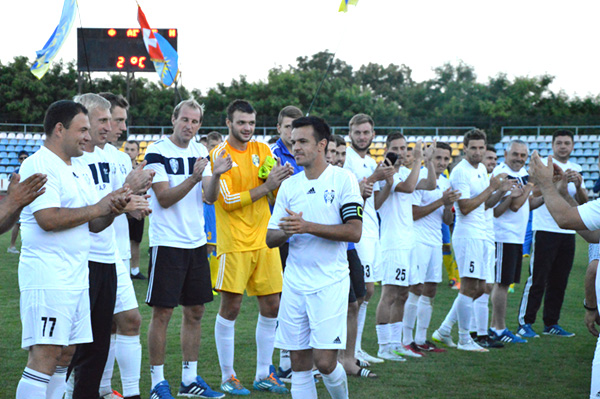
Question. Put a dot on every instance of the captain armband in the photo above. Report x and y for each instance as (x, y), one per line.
(350, 211)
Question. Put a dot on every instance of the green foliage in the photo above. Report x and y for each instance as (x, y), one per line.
(453, 97)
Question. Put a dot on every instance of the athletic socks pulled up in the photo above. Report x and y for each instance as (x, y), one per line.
(265, 344)
(225, 340)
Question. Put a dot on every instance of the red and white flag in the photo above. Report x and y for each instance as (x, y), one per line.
(149, 40)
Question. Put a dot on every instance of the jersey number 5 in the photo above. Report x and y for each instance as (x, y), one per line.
(472, 266)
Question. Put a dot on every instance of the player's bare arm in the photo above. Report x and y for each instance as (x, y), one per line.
(277, 175)
(409, 185)
(210, 187)
(565, 215)
(384, 192)
(448, 198)
(167, 195)
(466, 206)
(591, 312)
(140, 179)
(506, 185)
(20, 194)
(519, 200)
(431, 181)
(349, 231)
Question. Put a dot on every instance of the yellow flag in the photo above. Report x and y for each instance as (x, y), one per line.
(345, 3)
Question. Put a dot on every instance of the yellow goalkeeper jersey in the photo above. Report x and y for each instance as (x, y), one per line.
(241, 223)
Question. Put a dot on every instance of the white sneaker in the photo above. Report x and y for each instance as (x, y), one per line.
(470, 346)
(387, 355)
(365, 357)
(12, 250)
(437, 336)
(401, 350)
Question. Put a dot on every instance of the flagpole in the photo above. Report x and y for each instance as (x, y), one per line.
(87, 63)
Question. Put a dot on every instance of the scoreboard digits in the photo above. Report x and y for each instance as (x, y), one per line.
(114, 50)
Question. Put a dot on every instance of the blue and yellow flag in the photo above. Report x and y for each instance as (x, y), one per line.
(168, 70)
(345, 3)
(53, 45)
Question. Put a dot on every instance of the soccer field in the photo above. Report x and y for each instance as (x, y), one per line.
(546, 367)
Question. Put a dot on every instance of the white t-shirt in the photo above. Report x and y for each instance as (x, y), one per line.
(428, 229)
(182, 224)
(313, 262)
(104, 244)
(510, 227)
(120, 166)
(470, 182)
(55, 259)
(542, 220)
(396, 217)
(361, 168)
(590, 214)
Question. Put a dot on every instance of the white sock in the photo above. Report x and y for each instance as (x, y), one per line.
(225, 340)
(265, 344)
(383, 336)
(57, 384)
(285, 362)
(105, 385)
(482, 313)
(33, 385)
(450, 320)
(464, 311)
(157, 373)
(129, 359)
(189, 371)
(498, 331)
(360, 324)
(409, 319)
(70, 386)
(424, 311)
(303, 385)
(135, 271)
(337, 383)
(396, 334)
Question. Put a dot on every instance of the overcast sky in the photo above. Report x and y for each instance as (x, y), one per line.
(221, 40)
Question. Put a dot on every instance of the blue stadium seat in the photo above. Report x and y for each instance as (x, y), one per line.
(2, 147)
(498, 146)
(28, 148)
(578, 145)
(22, 142)
(500, 153)
(586, 175)
(30, 142)
(3, 154)
(589, 184)
(588, 152)
(594, 167)
(533, 146)
(35, 148)
(591, 160)
(543, 146)
(10, 147)
(13, 162)
(10, 169)
(19, 148)
(4, 141)
(594, 176)
(4, 161)
(4, 176)
(577, 153)
(500, 159)
(544, 152)
(2, 169)
(39, 142)
(585, 167)
(587, 144)
(12, 155)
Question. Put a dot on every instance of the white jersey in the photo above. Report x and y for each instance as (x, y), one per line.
(542, 220)
(104, 244)
(313, 262)
(396, 217)
(120, 166)
(510, 227)
(362, 168)
(55, 259)
(470, 182)
(428, 229)
(590, 214)
(182, 224)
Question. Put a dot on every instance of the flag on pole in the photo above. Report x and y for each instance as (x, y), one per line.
(345, 3)
(45, 56)
(149, 39)
(168, 70)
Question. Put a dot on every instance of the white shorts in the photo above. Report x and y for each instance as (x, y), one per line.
(126, 299)
(313, 320)
(368, 252)
(470, 255)
(400, 267)
(490, 261)
(429, 261)
(55, 317)
(127, 263)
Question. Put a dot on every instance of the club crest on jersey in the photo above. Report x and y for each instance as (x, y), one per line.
(256, 160)
(174, 165)
(329, 196)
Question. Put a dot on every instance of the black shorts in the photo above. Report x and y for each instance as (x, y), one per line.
(178, 276)
(357, 277)
(509, 258)
(283, 254)
(136, 229)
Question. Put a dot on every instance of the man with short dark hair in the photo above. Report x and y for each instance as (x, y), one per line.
(553, 251)
(53, 269)
(319, 210)
(179, 270)
(245, 261)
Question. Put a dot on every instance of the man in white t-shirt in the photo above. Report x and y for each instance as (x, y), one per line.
(364, 167)
(510, 224)
(319, 210)
(105, 261)
(430, 210)
(478, 191)
(553, 251)
(567, 214)
(179, 269)
(53, 267)
(399, 268)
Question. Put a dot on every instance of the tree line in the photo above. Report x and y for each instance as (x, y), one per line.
(453, 97)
